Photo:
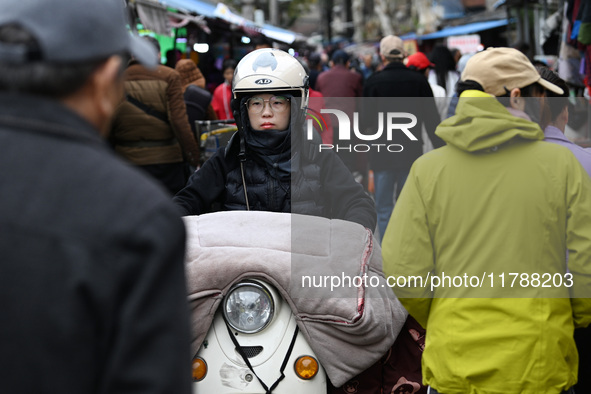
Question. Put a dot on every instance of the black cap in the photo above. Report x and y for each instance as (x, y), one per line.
(70, 31)
(340, 56)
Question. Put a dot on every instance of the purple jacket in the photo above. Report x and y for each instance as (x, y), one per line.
(554, 135)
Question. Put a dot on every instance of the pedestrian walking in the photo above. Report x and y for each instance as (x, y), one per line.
(151, 128)
(339, 80)
(222, 95)
(444, 73)
(498, 201)
(558, 115)
(197, 98)
(92, 281)
(418, 61)
(557, 118)
(396, 80)
(340, 86)
(316, 67)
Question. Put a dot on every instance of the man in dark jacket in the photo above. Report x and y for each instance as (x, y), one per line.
(270, 165)
(151, 127)
(339, 80)
(391, 167)
(92, 282)
(340, 86)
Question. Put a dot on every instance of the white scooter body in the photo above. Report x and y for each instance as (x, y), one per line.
(266, 351)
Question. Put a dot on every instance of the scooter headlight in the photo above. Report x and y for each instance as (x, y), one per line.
(248, 307)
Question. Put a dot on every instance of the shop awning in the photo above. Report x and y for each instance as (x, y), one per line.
(276, 33)
(197, 6)
(220, 10)
(458, 30)
(155, 14)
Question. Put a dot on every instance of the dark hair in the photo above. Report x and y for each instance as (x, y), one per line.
(462, 86)
(526, 91)
(531, 90)
(262, 42)
(505, 100)
(340, 57)
(229, 63)
(37, 77)
(314, 60)
(444, 62)
(154, 42)
(556, 102)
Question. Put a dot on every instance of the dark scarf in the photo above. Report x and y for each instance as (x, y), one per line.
(273, 148)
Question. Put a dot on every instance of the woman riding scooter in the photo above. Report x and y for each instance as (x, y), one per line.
(269, 165)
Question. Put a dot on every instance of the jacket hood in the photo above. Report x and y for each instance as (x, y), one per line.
(190, 74)
(482, 122)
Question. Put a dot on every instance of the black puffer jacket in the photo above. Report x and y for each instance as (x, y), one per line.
(407, 91)
(320, 185)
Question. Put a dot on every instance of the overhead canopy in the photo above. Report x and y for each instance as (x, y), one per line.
(278, 34)
(273, 32)
(219, 10)
(155, 14)
(197, 6)
(458, 30)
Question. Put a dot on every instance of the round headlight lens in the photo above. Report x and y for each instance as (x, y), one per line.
(248, 307)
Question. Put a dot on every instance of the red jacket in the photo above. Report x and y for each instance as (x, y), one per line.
(222, 96)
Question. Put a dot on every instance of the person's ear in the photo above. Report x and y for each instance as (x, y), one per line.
(515, 92)
(515, 100)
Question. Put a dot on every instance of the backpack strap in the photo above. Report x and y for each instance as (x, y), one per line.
(147, 109)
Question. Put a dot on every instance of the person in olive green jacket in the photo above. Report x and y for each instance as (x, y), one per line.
(485, 223)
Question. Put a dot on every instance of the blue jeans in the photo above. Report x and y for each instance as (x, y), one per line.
(385, 182)
(431, 390)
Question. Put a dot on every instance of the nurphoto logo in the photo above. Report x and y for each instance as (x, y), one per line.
(389, 122)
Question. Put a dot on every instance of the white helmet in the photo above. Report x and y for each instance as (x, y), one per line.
(267, 70)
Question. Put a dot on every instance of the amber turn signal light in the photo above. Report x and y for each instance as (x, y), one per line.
(199, 369)
(306, 367)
